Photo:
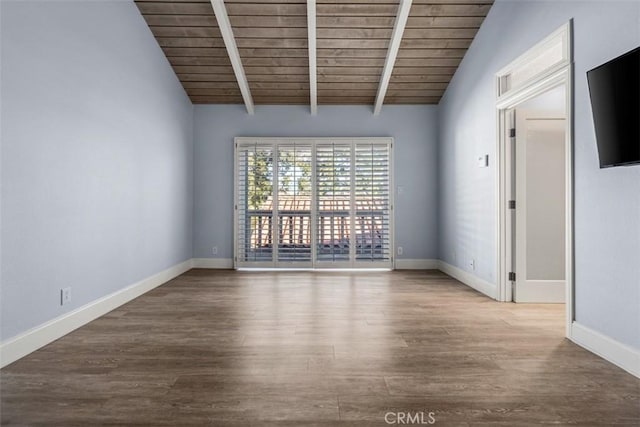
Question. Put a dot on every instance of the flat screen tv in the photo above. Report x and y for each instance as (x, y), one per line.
(615, 101)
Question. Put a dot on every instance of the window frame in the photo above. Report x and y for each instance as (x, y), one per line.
(274, 143)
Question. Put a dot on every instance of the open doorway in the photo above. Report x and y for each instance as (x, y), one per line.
(535, 175)
(538, 198)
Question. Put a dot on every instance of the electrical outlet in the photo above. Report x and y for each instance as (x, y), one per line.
(400, 250)
(215, 250)
(65, 296)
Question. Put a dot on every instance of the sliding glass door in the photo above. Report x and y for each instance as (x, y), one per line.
(254, 235)
(372, 194)
(333, 204)
(293, 211)
(313, 202)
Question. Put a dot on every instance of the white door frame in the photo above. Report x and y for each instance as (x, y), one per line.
(557, 74)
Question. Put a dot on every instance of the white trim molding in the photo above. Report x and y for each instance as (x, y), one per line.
(39, 336)
(613, 351)
(416, 264)
(214, 263)
(551, 54)
(471, 280)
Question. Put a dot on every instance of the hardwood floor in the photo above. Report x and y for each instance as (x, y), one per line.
(322, 349)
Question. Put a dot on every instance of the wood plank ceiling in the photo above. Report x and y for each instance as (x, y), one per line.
(352, 41)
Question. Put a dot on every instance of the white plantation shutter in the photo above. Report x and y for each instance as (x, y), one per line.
(372, 202)
(313, 203)
(294, 203)
(333, 202)
(254, 216)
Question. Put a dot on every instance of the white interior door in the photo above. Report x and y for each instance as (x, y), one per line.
(540, 216)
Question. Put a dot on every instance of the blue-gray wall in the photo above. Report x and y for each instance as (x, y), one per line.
(96, 157)
(607, 201)
(100, 159)
(413, 127)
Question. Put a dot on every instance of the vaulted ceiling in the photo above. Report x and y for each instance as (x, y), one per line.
(352, 44)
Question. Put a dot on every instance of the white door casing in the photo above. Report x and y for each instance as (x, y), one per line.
(553, 74)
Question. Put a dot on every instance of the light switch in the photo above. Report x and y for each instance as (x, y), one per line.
(483, 161)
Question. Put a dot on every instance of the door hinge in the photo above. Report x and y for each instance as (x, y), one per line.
(512, 133)
(236, 207)
(512, 276)
(512, 204)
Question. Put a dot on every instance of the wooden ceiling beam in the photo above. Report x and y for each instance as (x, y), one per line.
(313, 74)
(232, 49)
(392, 53)
(314, 52)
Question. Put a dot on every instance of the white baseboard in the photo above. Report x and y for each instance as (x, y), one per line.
(619, 354)
(416, 264)
(222, 263)
(480, 285)
(35, 338)
(17, 347)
